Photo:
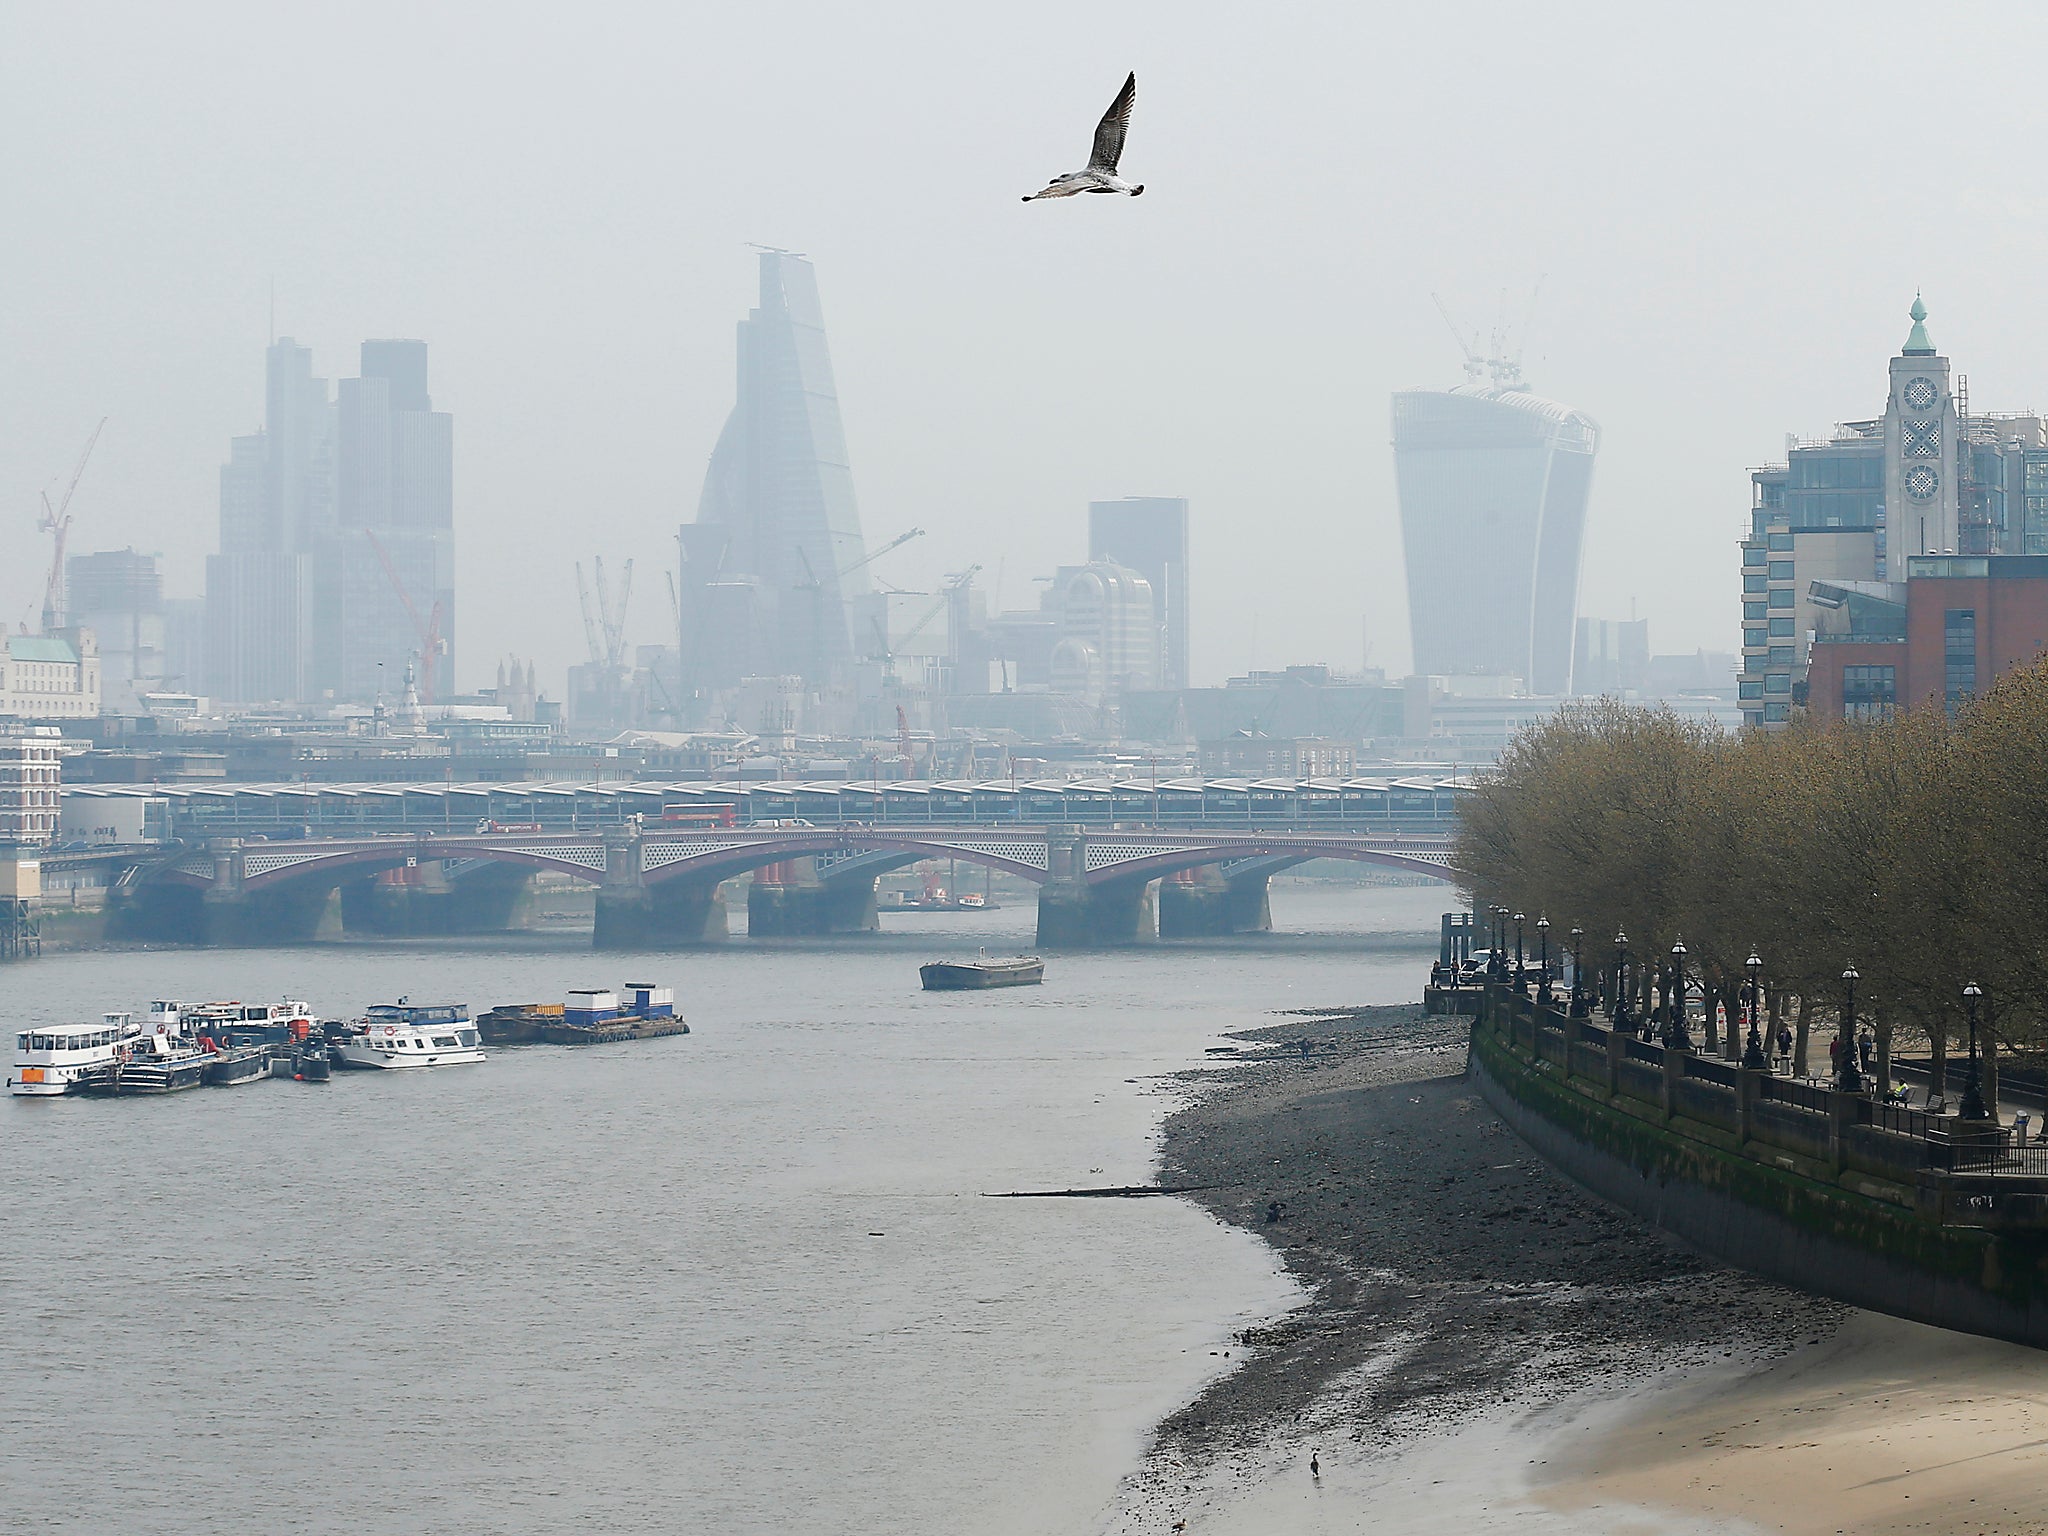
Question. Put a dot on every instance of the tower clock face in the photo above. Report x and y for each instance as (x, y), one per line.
(1919, 393)
(1921, 482)
(1922, 439)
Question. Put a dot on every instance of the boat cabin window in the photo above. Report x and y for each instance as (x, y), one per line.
(21, 1042)
(446, 1042)
(466, 1036)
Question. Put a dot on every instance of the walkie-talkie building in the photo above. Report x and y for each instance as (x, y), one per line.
(1493, 483)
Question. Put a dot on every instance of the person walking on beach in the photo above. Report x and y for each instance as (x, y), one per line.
(1315, 1467)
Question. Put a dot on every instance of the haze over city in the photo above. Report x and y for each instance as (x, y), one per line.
(1727, 216)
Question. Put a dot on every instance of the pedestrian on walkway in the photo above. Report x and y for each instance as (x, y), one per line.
(1315, 1466)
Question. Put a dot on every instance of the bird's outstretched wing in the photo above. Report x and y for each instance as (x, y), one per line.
(1109, 133)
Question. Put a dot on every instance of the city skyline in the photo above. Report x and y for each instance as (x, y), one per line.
(588, 349)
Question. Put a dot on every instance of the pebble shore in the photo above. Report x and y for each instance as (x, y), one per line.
(1448, 1269)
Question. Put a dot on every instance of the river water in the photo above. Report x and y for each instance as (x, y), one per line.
(739, 1281)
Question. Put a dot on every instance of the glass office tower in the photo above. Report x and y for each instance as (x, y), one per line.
(1493, 484)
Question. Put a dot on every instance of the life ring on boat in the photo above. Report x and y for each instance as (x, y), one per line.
(390, 1029)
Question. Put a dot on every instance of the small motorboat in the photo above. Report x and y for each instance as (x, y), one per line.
(974, 975)
(312, 1066)
(236, 1064)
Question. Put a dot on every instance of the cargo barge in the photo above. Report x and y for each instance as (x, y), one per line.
(586, 1017)
(976, 975)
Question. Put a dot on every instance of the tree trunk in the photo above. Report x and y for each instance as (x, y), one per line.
(1937, 1053)
(1738, 1036)
(1884, 1050)
(1774, 1017)
(1802, 1032)
(1709, 995)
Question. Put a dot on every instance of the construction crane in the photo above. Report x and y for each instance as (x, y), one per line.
(57, 521)
(816, 588)
(427, 630)
(604, 617)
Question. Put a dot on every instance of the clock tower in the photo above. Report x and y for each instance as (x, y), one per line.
(1920, 454)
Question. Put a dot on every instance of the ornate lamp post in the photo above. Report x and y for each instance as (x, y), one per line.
(1543, 993)
(1847, 1078)
(1619, 1011)
(1578, 973)
(1973, 1095)
(1675, 1033)
(1521, 971)
(1753, 1054)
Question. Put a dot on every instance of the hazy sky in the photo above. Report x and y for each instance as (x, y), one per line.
(1730, 210)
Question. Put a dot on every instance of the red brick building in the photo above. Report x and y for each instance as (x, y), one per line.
(1954, 625)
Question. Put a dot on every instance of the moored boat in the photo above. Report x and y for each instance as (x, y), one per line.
(587, 1016)
(983, 972)
(59, 1058)
(158, 1062)
(311, 1065)
(236, 1064)
(403, 1034)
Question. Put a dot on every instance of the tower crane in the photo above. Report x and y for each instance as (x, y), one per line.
(428, 630)
(57, 521)
(816, 588)
(604, 618)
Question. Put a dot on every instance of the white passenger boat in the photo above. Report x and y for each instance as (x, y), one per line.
(403, 1034)
(54, 1059)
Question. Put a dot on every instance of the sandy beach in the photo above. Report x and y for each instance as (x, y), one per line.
(1487, 1347)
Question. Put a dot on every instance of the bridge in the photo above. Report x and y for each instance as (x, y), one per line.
(658, 884)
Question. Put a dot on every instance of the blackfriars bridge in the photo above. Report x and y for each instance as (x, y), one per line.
(660, 889)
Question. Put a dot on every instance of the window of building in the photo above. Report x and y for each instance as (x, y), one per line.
(1781, 625)
(1753, 554)
(1776, 713)
(1777, 682)
(1778, 541)
(2037, 472)
(1783, 597)
(1869, 692)
(1752, 717)
(1958, 655)
(1750, 688)
(1754, 638)
(1781, 570)
(1781, 656)
(1755, 610)
(1754, 581)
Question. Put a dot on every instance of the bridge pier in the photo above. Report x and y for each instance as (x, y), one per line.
(223, 912)
(1075, 913)
(1205, 904)
(677, 913)
(490, 899)
(788, 900)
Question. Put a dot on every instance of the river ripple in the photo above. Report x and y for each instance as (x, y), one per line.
(740, 1281)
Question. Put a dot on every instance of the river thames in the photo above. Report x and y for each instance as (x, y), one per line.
(739, 1281)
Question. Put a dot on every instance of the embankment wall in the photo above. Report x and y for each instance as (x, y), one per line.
(1821, 1237)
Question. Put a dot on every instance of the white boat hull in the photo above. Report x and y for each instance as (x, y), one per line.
(361, 1057)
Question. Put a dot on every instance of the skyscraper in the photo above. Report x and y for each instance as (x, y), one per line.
(1150, 535)
(276, 497)
(390, 584)
(783, 540)
(1493, 483)
(118, 595)
(336, 563)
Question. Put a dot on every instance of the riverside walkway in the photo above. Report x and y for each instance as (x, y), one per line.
(1927, 1216)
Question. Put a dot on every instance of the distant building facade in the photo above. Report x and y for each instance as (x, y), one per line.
(31, 783)
(50, 677)
(1493, 484)
(119, 596)
(1149, 534)
(1927, 478)
(1610, 656)
(775, 558)
(336, 562)
(1947, 632)
(1109, 633)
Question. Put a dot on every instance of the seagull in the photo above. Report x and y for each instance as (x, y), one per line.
(1101, 174)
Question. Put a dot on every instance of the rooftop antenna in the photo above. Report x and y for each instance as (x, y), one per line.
(1475, 367)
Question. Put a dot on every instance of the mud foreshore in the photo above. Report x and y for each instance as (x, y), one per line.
(1448, 1270)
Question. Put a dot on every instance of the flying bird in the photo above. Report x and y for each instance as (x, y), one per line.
(1101, 176)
